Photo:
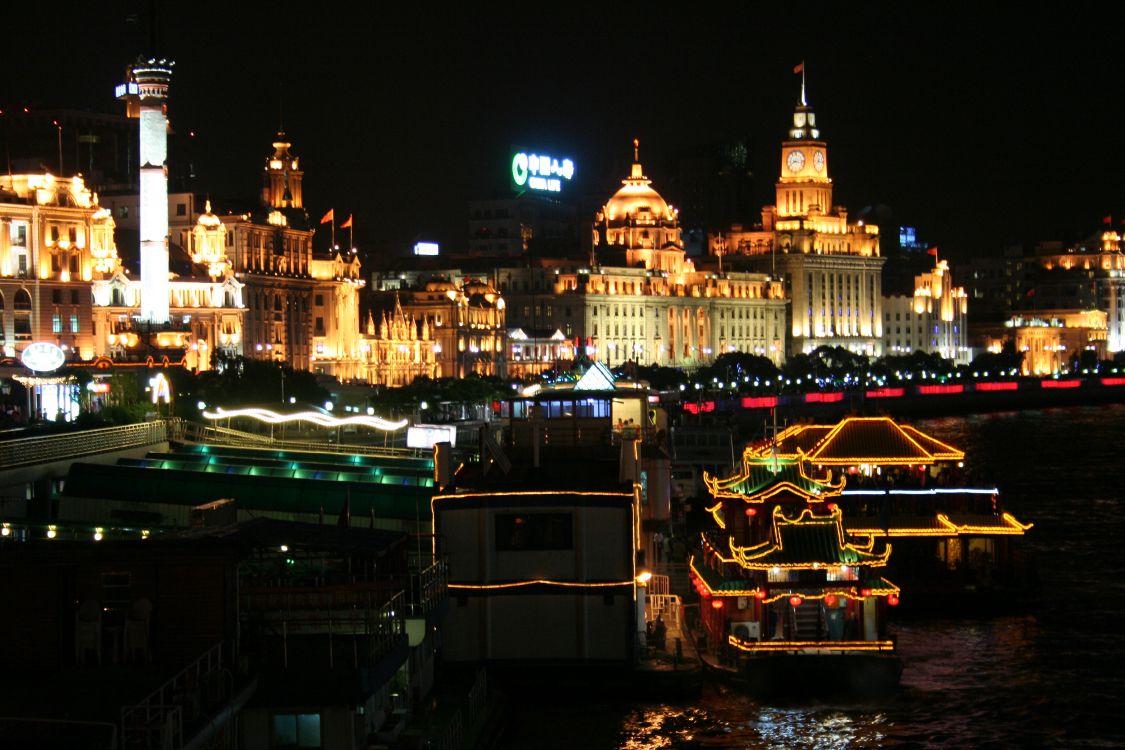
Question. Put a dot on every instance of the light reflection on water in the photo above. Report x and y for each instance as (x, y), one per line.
(1049, 679)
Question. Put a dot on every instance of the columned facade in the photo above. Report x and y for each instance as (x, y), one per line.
(832, 267)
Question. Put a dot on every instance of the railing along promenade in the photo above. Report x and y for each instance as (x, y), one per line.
(50, 448)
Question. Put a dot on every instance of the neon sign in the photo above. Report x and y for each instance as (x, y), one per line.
(540, 172)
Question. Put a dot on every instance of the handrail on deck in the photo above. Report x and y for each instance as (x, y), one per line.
(49, 448)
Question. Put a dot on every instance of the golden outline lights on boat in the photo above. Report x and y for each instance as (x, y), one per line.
(322, 420)
(947, 528)
(538, 581)
(829, 646)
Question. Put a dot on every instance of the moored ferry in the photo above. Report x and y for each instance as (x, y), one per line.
(955, 543)
(790, 601)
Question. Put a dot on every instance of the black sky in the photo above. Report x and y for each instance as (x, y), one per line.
(980, 127)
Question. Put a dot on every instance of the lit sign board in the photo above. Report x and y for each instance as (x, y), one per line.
(42, 356)
(126, 89)
(426, 248)
(539, 172)
(426, 435)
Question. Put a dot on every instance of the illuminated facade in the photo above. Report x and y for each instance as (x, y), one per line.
(301, 310)
(641, 299)
(832, 267)
(398, 348)
(1052, 340)
(459, 329)
(1096, 277)
(54, 241)
(206, 313)
(933, 320)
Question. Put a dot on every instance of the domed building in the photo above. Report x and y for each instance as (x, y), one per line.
(639, 220)
(641, 299)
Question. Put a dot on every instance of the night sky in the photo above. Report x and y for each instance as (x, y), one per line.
(978, 130)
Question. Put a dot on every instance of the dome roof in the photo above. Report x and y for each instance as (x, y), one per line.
(440, 285)
(636, 196)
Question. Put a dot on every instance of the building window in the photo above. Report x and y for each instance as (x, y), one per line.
(74, 324)
(56, 323)
(56, 296)
(181, 209)
(320, 326)
(516, 532)
(295, 731)
(74, 296)
(319, 302)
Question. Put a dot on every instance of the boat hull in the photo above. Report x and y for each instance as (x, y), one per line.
(843, 675)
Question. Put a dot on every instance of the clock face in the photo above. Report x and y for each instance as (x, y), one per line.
(818, 161)
(795, 161)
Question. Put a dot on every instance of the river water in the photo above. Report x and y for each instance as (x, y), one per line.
(1051, 678)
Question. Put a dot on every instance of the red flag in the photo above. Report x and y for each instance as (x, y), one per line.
(799, 68)
(346, 224)
(1107, 219)
(932, 251)
(329, 216)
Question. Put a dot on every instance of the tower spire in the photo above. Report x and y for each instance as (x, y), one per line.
(636, 150)
(800, 68)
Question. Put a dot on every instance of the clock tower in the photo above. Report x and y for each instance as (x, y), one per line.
(804, 184)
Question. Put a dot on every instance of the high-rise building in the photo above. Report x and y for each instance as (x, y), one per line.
(831, 267)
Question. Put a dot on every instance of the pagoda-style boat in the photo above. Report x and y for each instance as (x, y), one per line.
(952, 541)
(791, 601)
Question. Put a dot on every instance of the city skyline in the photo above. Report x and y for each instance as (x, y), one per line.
(968, 129)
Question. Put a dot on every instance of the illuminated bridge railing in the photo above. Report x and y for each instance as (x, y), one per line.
(197, 433)
(49, 448)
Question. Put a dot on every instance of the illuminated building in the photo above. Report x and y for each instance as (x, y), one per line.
(933, 320)
(462, 325)
(832, 267)
(640, 298)
(1052, 341)
(531, 354)
(1089, 276)
(301, 309)
(206, 312)
(186, 318)
(398, 348)
(54, 241)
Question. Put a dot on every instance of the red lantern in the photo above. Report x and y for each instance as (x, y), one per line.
(751, 512)
(795, 601)
(717, 603)
(892, 600)
(760, 594)
(831, 600)
(832, 506)
(865, 592)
